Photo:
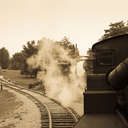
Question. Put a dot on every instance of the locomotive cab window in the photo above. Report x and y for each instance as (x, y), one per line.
(105, 57)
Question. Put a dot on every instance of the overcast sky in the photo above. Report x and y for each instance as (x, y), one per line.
(82, 21)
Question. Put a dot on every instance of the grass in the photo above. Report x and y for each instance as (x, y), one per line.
(15, 75)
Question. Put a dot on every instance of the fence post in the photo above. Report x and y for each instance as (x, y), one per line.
(1, 86)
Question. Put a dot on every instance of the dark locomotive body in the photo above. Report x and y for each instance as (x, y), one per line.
(109, 53)
(106, 98)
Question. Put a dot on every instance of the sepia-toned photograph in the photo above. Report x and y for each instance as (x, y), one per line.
(63, 64)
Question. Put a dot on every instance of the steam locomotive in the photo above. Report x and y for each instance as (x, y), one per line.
(106, 96)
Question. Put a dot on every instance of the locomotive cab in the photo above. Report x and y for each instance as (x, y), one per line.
(106, 98)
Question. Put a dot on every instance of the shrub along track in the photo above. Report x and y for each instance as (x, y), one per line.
(53, 114)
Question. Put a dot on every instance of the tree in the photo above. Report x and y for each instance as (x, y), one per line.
(88, 65)
(4, 58)
(115, 29)
(17, 61)
(29, 50)
(90, 53)
(72, 50)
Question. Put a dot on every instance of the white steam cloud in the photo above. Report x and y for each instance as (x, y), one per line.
(64, 88)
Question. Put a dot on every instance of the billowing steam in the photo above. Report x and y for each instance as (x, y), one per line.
(64, 88)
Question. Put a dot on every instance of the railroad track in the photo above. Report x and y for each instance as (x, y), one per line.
(53, 114)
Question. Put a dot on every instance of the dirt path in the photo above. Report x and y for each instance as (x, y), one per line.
(17, 111)
(7, 106)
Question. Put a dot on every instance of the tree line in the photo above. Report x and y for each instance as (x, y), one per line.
(18, 61)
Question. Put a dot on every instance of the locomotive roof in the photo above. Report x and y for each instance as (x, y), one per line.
(104, 41)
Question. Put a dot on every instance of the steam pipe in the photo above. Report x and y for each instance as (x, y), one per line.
(118, 77)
